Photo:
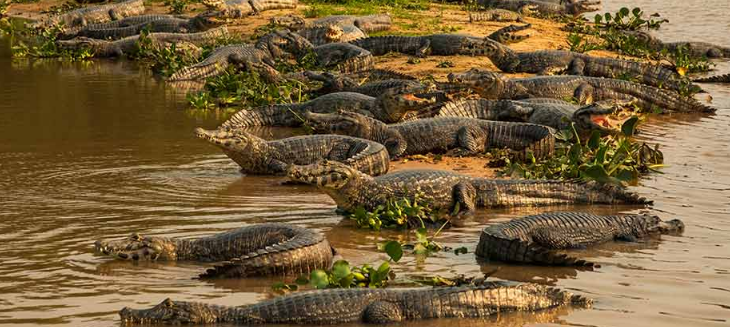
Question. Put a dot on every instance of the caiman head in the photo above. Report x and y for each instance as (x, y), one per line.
(606, 117)
(80, 43)
(139, 248)
(334, 33)
(203, 22)
(171, 313)
(239, 145)
(654, 225)
(325, 174)
(290, 21)
(488, 85)
(578, 7)
(529, 10)
(284, 41)
(330, 82)
(397, 102)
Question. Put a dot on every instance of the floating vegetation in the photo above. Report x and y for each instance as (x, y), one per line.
(399, 213)
(626, 20)
(342, 275)
(616, 159)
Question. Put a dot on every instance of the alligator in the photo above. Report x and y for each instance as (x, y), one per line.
(695, 49)
(319, 35)
(437, 135)
(243, 8)
(534, 239)
(435, 44)
(93, 15)
(584, 89)
(724, 78)
(367, 305)
(259, 57)
(445, 190)
(548, 62)
(131, 45)
(506, 35)
(546, 7)
(258, 156)
(502, 15)
(256, 250)
(136, 24)
(603, 116)
(388, 107)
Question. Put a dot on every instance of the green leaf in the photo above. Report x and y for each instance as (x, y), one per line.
(420, 249)
(340, 269)
(346, 281)
(421, 235)
(624, 11)
(595, 140)
(629, 126)
(301, 280)
(597, 173)
(384, 268)
(461, 250)
(637, 12)
(319, 279)
(394, 250)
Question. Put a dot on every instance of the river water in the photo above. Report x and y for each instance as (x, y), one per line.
(104, 150)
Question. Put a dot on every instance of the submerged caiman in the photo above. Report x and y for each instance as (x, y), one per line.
(93, 14)
(258, 156)
(256, 250)
(468, 136)
(606, 116)
(534, 239)
(445, 190)
(131, 45)
(584, 89)
(376, 306)
(389, 107)
(549, 62)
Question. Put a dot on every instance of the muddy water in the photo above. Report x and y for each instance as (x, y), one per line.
(104, 150)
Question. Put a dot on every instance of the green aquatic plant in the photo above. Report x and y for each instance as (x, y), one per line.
(423, 245)
(398, 213)
(342, 275)
(43, 45)
(629, 20)
(616, 159)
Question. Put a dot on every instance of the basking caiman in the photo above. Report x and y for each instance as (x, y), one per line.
(546, 7)
(130, 45)
(389, 107)
(136, 24)
(376, 306)
(379, 81)
(256, 250)
(724, 78)
(258, 156)
(243, 8)
(450, 191)
(534, 239)
(436, 44)
(502, 15)
(337, 28)
(603, 116)
(549, 62)
(93, 14)
(437, 135)
(584, 89)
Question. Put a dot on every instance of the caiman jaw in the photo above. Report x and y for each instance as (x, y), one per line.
(610, 121)
(136, 247)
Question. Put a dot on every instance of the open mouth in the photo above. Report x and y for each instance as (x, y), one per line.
(611, 121)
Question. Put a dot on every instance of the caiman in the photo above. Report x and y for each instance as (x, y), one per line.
(258, 156)
(437, 135)
(546, 7)
(436, 44)
(549, 62)
(378, 82)
(389, 107)
(535, 239)
(502, 15)
(724, 78)
(584, 89)
(134, 25)
(365, 305)
(130, 45)
(337, 28)
(256, 250)
(93, 14)
(445, 190)
(603, 116)
(243, 8)
(693, 48)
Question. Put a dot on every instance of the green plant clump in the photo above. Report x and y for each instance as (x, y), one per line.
(397, 213)
(616, 159)
(44, 46)
(342, 275)
(177, 6)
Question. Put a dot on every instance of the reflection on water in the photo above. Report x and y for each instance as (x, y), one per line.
(103, 150)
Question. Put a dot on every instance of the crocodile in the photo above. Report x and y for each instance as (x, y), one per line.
(446, 190)
(534, 239)
(502, 15)
(546, 7)
(438, 135)
(695, 49)
(243, 8)
(259, 57)
(434, 44)
(130, 45)
(585, 89)
(388, 107)
(368, 305)
(724, 78)
(258, 156)
(548, 62)
(93, 14)
(136, 24)
(603, 116)
(256, 250)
